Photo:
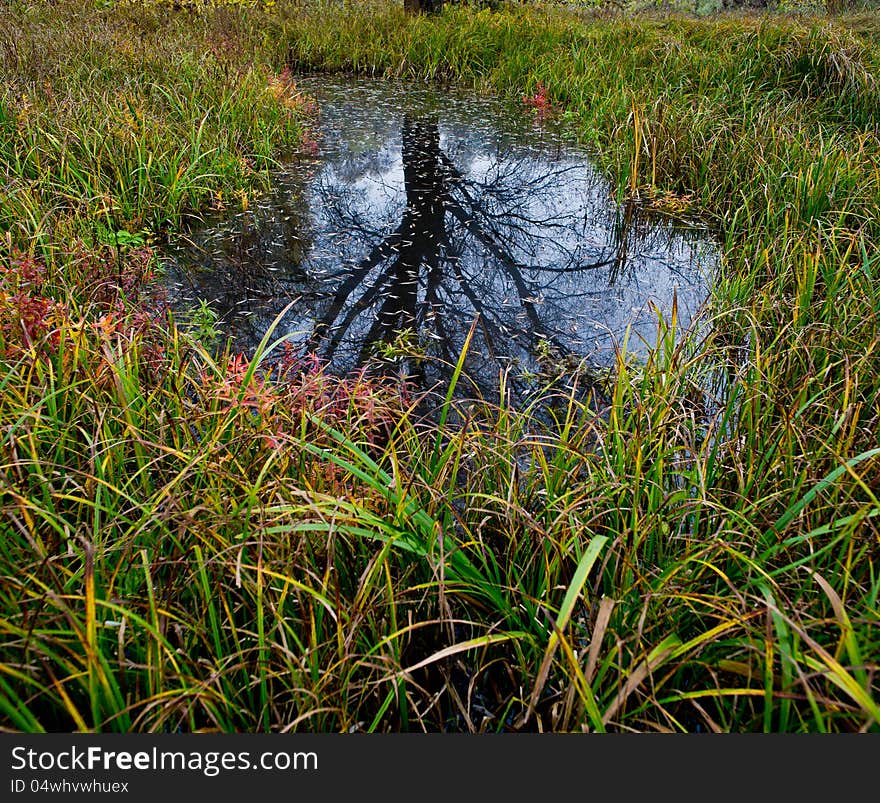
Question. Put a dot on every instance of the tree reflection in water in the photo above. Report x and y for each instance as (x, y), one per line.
(422, 232)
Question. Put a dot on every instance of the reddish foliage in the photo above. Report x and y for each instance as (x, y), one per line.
(114, 287)
(298, 385)
(124, 329)
(29, 318)
(109, 277)
(540, 102)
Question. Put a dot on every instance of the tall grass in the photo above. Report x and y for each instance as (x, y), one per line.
(130, 118)
(195, 542)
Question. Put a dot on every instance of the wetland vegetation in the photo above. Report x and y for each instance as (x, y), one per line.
(196, 536)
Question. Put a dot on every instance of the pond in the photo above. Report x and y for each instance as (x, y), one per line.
(429, 214)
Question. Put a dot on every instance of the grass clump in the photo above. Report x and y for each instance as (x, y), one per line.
(197, 542)
(130, 118)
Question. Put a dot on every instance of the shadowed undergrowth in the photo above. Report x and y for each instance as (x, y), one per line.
(195, 542)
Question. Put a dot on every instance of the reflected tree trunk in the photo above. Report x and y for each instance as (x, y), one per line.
(461, 250)
(443, 210)
(422, 232)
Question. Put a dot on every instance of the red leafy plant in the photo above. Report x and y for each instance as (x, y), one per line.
(290, 398)
(115, 309)
(30, 319)
(540, 101)
(283, 88)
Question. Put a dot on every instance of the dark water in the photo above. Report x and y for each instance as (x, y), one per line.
(424, 211)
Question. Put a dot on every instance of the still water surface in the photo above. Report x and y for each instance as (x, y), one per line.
(425, 210)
